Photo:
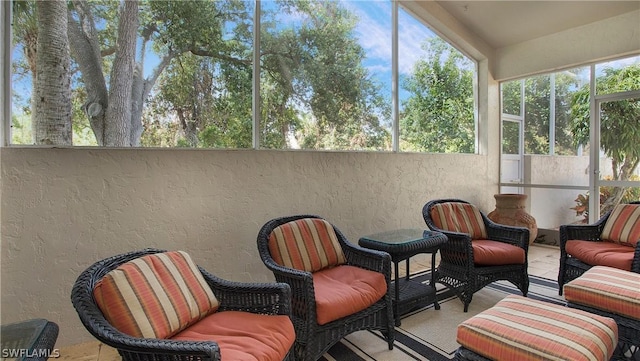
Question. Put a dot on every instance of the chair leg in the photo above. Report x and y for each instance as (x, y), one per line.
(302, 352)
(390, 336)
(466, 299)
(561, 275)
(560, 284)
(524, 286)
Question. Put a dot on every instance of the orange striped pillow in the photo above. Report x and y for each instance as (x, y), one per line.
(155, 296)
(623, 225)
(459, 217)
(308, 244)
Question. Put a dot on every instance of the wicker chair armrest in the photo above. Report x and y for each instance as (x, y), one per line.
(458, 246)
(584, 232)
(369, 259)
(286, 272)
(159, 349)
(265, 298)
(517, 236)
(635, 264)
(301, 285)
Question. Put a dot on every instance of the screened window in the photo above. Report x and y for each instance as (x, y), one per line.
(565, 159)
(185, 74)
(436, 92)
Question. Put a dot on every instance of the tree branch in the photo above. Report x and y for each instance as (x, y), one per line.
(108, 51)
(202, 52)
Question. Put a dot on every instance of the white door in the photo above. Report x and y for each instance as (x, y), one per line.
(512, 148)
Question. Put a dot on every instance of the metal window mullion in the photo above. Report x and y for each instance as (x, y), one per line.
(521, 147)
(5, 73)
(630, 94)
(395, 116)
(552, 114)
(594, 154)
(255, 101)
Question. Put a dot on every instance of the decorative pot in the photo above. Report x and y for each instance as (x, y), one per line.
(510, 211)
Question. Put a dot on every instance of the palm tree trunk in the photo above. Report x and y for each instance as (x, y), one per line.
(52, 92)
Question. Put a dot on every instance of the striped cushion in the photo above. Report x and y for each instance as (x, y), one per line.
(155, 296)
(459, 217)
(308, 244)
(608, 289)
(623, 225)
(519, 328)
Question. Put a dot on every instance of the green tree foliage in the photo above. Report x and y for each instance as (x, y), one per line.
(438, 116)
(538, 113)
(316, 92)
(320, 92)
(511, 97)
(619, 124)
(21, 129)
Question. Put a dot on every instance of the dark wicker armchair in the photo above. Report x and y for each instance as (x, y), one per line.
(252, 299)
(590, 235)
(468, 261)
(315, 333)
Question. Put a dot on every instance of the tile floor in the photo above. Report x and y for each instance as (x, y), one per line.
(543, 262)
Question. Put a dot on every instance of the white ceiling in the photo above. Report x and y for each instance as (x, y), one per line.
(504, 23)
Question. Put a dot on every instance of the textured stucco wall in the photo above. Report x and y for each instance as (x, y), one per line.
(63, 209)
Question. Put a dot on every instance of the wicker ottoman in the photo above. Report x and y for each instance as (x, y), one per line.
(520, 328)
(614, 293)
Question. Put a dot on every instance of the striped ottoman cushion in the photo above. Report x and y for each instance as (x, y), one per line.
(608, 289)
(519, 328)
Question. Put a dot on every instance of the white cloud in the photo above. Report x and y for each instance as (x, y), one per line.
(374, 33)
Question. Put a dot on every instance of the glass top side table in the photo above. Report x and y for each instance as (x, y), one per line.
(29, 340)
(402, 244)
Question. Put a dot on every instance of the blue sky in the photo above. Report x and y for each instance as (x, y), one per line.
(374, 33)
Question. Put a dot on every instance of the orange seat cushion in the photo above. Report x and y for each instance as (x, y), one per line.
(344, 290)
(244, 336)
(609, 289)
(523, 329)
(601, 253)
(493, 253)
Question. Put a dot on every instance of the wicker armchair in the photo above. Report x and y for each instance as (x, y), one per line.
(571, 267)
(256, 299)
(313, 336)
(460, 268)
